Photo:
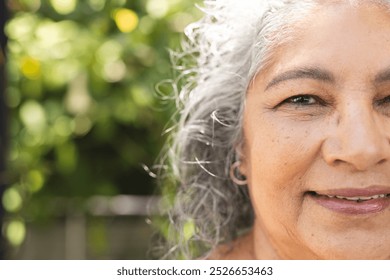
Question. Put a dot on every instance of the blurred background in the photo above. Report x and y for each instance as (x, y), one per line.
(84, 120)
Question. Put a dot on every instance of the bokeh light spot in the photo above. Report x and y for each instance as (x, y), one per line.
(30, 67)
(33, 116)
(82, 125)
(78, 100)
(114, 71)
(96, 5)
(64, 7)
(126, 20)
(16, 232)
(20, 28)
(12, 201)
(35, 180)
(157, 8)
(110, 51)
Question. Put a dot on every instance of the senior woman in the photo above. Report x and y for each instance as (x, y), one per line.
(282, 148)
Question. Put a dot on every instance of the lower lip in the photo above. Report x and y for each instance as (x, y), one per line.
(352, 207)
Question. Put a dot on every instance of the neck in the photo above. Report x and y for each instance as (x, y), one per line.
(262, 246)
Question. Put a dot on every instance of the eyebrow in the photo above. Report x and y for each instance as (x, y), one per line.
(307, 73)
(383, 76)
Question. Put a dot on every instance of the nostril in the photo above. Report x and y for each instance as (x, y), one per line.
(337, 162)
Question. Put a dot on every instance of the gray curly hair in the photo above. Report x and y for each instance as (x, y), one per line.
(221, 55)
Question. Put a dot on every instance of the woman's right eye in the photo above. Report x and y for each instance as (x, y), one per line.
(302, 100)
(307, 104)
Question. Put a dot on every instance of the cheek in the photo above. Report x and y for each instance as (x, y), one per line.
(279, 152)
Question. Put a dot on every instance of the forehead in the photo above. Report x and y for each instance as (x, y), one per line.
(338, 36)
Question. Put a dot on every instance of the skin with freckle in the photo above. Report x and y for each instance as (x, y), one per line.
(318, 119)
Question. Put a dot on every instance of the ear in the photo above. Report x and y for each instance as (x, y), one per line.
(241, 156)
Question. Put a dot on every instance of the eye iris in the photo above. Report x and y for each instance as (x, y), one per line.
(302, 99)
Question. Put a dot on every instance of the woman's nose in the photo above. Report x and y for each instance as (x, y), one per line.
(360, 139)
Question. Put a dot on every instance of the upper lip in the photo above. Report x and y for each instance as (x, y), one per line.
(355, 192)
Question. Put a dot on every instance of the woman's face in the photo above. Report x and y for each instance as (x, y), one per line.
(317, 126)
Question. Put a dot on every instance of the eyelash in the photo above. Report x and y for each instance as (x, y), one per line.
(303, 100)
(383, 101)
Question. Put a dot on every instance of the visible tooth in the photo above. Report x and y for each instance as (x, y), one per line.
(331, 196)
(354, 198)
(366, 197)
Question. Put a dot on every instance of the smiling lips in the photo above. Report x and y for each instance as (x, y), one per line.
(354, 201)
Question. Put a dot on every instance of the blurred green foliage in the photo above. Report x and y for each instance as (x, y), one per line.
(84, 115)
